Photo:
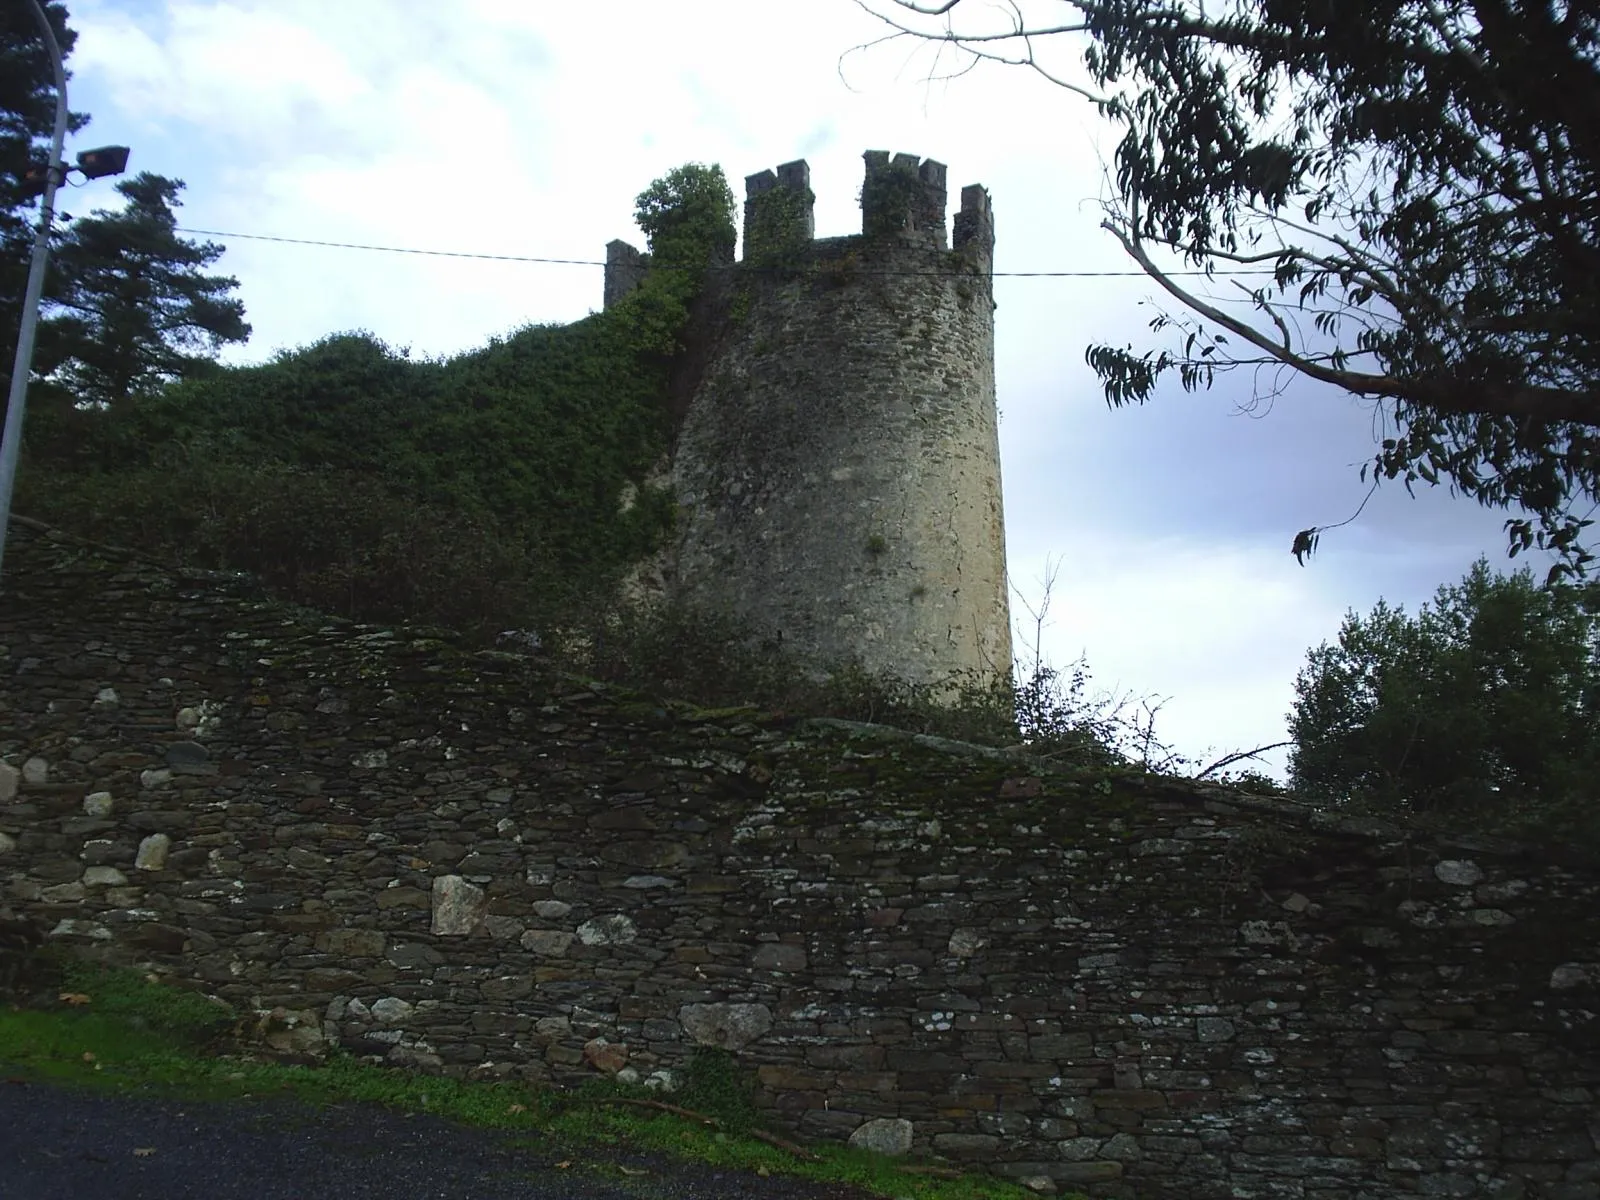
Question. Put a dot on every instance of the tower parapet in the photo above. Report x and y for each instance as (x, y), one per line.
(779, 211)
(625, 270)
(975, 221)
(903, 196)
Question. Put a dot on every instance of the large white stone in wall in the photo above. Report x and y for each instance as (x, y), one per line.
(458, 906)
(886, 1135)
(1459, 871)
(98, 804)
(613, 929)
(728, 1026)
(152, 854)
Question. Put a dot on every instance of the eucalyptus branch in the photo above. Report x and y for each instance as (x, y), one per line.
(1445, 394)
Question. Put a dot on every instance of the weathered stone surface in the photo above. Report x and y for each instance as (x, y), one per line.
(966, 1145)
(10, 778)
(352, 943)
(152, 855)
(779, 956)
(1089, 1172)
(610, 1057)
(613, 929)
(885, 1135)
(73, 927)
(391, 1010)
(99, 804)
(1214, 1029)
(550, 943)
(458, 906)
(190, 758)
(103, 877)
(1461, 872)
(1571, 975)
(294, 1034)
(728, 1026)
(966, 942)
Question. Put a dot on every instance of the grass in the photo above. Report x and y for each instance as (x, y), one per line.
(119, 1030)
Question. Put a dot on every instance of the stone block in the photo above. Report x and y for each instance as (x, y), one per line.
(351, 943)
(458, 906)
(1087, 1172)
(612, 929)
(728, 1026)
(507, 988)
(779, 956)
(549, 943)
(885, 1135)
(98, 804)
(602, 1055)
(152, 853)
(966, 1145)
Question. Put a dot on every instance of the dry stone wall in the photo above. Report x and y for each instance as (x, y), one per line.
(463, 863)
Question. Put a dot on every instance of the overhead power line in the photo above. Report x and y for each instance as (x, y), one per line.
(594, 262)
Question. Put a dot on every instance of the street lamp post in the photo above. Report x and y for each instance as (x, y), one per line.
(107, 160)
(23, 363)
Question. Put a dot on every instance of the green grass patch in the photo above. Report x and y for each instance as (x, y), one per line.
(120, 1030)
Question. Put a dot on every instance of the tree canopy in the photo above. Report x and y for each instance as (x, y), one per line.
(1482, 707)
(1418, 182)
(127, 303)
(130, 307)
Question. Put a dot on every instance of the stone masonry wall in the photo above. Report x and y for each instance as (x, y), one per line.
(839, 467)
(461, 862)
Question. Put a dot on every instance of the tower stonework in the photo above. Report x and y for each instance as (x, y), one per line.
(838, 469)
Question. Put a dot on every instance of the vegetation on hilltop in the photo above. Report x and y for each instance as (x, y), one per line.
(504, 487)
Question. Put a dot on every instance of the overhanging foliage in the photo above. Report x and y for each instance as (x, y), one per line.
(1421, 178)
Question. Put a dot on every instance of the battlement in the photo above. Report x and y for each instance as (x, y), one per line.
(975, 221)
(779, 213)
(625, 270)
(903, 196)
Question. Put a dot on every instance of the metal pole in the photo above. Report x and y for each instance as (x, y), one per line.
(23, 364)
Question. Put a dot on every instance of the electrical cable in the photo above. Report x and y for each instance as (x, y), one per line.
(591, 262)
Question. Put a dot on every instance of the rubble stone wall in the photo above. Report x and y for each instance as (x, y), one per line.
(465, 863)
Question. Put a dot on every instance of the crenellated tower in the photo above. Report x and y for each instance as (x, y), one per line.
(838, 469)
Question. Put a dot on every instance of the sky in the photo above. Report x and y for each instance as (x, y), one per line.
(527, 127)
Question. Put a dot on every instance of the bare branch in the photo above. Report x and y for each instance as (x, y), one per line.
(1446, 395)
(1238, 755)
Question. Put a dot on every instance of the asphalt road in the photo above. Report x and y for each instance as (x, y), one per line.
(60, 1143)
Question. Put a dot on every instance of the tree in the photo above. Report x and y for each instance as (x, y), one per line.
(1484, 702)
(1417, 183)
(27, 118)
(687, 217)
(130, 307)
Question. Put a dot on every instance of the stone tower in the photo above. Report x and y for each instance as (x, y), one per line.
(838, 468)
